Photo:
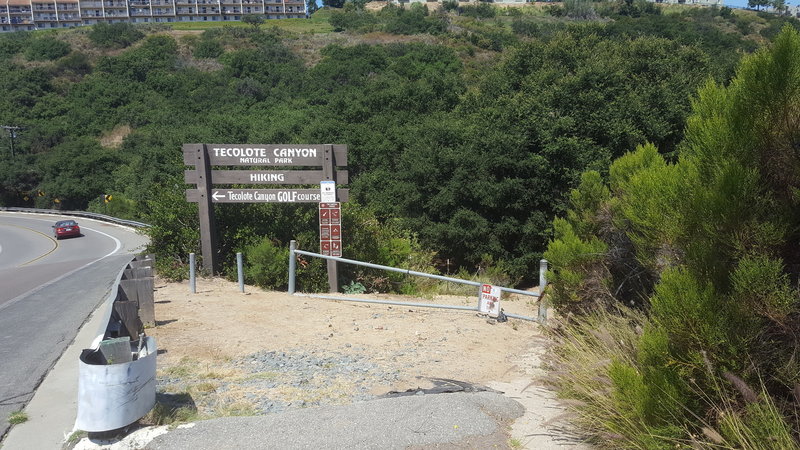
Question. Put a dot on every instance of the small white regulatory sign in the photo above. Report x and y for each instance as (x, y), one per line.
(489, 301)
(328, 190)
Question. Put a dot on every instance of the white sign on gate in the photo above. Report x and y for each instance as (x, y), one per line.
(489, 301)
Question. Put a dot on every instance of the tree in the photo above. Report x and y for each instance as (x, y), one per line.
(311, 7)
(333, 3)
(757, 4)
(715, 232)
(115, 35)
(253, 19)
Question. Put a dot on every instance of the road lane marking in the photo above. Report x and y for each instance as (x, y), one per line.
(119, 244)
(42, 286)
(55, 246)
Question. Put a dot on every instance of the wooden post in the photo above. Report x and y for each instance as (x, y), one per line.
(208, 231)
(329, 173)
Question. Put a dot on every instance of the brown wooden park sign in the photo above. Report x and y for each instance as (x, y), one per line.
(203, 157)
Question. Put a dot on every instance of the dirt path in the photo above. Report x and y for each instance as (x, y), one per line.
(263, 352)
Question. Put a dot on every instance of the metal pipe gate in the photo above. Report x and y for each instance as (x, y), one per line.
(293, 252)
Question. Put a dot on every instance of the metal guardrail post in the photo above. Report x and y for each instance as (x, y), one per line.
(292, 263)
(192, 275)
(240, 270)
(542, 286)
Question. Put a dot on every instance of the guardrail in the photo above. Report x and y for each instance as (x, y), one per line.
(90, 215)
(117, 375)
(293, 251)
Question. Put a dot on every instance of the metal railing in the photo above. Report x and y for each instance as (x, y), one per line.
(90, 215)
(293, 252)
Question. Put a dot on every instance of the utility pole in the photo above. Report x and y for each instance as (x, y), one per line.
(12, 131)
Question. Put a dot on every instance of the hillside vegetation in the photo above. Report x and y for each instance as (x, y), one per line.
(707, 247)
(649, 153)
(464, 140)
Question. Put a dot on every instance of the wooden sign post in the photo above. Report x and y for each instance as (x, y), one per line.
(203, 156)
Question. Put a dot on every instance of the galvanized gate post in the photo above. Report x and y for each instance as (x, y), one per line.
(542, 285)
(292, 247)
(192, 276)
(240, 270)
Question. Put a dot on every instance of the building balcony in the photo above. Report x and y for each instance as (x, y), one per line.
(91, 4)
(45, 18)
(69, 17)
(115, 5)
(164, 12)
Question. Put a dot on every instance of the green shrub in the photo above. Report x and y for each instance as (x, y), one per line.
(525, 27)
(413, 20)
(579, 9)
(450, 5)
(713, 230)
(578, 273)
(267, 265)
(759, 425)
(114, 35)
(207, 48)
(75, 63)
(361, 21)
(46, 49)
(480, 11)
(13, 43)
(119, 206)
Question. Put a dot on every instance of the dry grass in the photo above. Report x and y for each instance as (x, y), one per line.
(113, 138)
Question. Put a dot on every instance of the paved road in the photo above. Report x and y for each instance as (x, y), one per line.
(47, 290)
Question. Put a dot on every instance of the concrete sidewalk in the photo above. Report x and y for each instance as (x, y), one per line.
(54, 407)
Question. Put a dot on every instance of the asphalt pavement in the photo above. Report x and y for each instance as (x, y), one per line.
(451, 420)
(446, 421)
(49, 289)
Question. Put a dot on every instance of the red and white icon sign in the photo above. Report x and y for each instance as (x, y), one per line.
(489, 302)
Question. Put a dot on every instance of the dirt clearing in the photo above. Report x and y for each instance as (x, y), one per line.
(264, 352)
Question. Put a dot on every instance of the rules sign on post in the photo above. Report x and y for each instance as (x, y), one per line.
(489, 303)
(330, 229)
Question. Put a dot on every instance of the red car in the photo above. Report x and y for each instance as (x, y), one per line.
(66, 228)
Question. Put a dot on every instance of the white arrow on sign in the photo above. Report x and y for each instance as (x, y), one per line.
(216, 194)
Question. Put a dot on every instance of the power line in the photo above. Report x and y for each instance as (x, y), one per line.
(12, 131)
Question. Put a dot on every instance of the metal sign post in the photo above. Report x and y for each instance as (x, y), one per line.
(330, 239)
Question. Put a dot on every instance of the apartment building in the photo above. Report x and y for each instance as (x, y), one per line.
(16, 15)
